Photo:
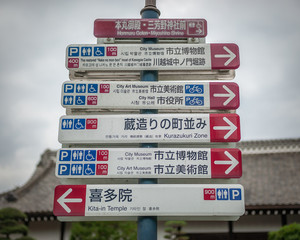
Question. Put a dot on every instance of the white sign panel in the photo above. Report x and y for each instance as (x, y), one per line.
(152, 57)
(155, 95)
(149, 163)
(149, 200)
(149, 128)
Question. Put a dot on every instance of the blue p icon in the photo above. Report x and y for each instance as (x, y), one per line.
(64, 169)
(65, 155)
(69, 88)
(73, 52)
(235, 194)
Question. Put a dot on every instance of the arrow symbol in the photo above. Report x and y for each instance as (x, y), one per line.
(231, 127)
(230, 95)
(230, 55)
(233, 162)
(63, 200)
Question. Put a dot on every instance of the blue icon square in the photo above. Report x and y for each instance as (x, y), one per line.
(92, 88)
(76, 169)
(99, 51)
(79, 123)
(89, 169)
(63, 169)
(68, 88)
(235, 194)
(80, 100)
(194, 101)
(90, 155)
(77, 155)
(86, 51)
(66, 124)
(222, 193)
(68, 100)
(65, 155)
(194, 89)
(80, 88)
(73, 51)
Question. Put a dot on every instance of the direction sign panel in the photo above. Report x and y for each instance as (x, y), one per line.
(155, 95)
(118, 57)
(149, 163)
(149, 128)
(193, 200)
(150, 28)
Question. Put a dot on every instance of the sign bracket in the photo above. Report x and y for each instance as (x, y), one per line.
(223, 74)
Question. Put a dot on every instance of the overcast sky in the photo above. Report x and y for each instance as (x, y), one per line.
(34, 35)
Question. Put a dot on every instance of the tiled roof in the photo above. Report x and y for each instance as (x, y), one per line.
(270, 146)
(36, 196)
(271, 172)
(270, 177)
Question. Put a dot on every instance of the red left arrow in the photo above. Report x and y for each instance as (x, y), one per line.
(69, 200)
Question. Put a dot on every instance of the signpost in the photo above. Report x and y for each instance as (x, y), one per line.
(148, 128)
(194, 201)
(96, 158)
(119, 57)
(149, 163)
(152, 95)
(150, 28)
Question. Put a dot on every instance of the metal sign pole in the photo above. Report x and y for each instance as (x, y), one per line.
(147, 226)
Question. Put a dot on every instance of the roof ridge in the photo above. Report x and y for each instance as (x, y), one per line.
(270, 146)
(45, 164)
(271, 150)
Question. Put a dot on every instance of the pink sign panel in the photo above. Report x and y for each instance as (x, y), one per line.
(224, 95)
(150, 28)
(69, 201)
(225, 128)
(226, 163)
(224, 56)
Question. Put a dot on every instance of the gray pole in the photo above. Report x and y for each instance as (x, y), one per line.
(147, 226)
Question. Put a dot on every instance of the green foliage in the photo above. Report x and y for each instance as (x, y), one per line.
(11, 223)
(18, 228)
(104, 231)
(174, 230)
(11, 213)
(288, 232)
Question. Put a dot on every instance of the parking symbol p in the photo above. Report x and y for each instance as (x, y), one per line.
(65, 155)
(63, 169)
(68, 88)
(235, 194)
(73, 52)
